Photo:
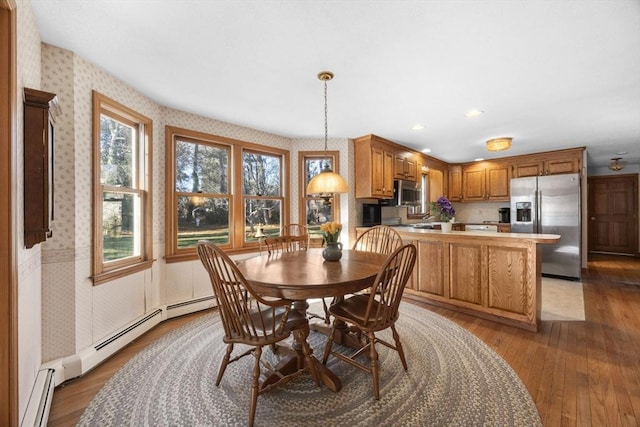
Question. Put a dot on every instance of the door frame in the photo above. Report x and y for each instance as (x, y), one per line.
(8, 224)
(636, 235)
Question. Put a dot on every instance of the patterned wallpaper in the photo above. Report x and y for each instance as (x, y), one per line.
(77, 314)
(29, 264)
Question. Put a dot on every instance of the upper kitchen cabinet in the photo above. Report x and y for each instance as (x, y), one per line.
(39, 109)
(485, 181)
(549, 163)
(374, 168)
(455, 183)
(405, 166)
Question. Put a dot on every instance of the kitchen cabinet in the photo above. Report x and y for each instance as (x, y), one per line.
(504, 228)
(485, 181)
(374, 163)
(436, 184)
(455, 183)
(405, 167)
(39, 110)
(487, 275)
(549, 163)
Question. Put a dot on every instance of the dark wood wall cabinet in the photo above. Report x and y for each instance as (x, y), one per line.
(39, 115)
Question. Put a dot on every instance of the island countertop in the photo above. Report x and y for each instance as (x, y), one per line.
(417, 232)
(493, 275)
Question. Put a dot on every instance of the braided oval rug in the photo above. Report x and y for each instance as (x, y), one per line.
(454, 379)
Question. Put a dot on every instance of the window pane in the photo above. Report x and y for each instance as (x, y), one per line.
(261, 174)
(317, 213)
(120, 225)
(313, 166)
(262, 213)
(202, 218)
(201, 167)
(116, 153)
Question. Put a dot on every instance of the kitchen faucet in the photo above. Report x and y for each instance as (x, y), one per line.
(426, 217)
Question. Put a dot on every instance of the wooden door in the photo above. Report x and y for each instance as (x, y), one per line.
(613, 214)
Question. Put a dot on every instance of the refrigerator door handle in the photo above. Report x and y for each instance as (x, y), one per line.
(537, 226)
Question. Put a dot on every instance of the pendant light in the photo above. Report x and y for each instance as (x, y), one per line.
(327, 182)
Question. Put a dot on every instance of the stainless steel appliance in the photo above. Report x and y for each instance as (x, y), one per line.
(504, 215)
(371, 215)
(550, 205)
(405, 193)
(481, 227)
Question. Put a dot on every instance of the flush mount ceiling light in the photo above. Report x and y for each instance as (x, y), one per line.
(616, 165)
(418, 127)
(426, 150)
(327, 182)
(499, 144)
(473, 113)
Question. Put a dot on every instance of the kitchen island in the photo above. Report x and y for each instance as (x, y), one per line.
(492, 275)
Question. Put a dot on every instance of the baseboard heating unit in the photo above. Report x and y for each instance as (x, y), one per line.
(37, 413)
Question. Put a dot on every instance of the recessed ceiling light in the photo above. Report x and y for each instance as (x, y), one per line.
(473, 113)
(479, 159)
(621, 153)
(418, 127)
(426, 150)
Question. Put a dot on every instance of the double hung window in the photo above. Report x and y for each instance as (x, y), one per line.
(222, 190)
(122, 190)
(315, 210)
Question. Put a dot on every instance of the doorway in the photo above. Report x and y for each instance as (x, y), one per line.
(613, 214)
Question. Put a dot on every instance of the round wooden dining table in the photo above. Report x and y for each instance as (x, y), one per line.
(303, 275)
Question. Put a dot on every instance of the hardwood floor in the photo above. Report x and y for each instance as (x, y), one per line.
(578, 373)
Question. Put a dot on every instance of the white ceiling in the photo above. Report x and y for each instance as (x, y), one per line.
(550, 74)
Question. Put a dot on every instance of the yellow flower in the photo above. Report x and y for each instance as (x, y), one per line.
(331, 231)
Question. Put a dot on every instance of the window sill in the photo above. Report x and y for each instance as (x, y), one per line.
(110, 275)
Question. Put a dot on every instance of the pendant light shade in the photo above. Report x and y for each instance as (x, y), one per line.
(327, 182)
(499, 144)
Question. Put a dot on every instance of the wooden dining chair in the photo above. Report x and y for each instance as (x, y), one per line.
(380, 239)
(374, 312)
(258, 324)
(280, 244)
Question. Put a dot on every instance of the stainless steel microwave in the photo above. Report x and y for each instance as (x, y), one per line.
(405, 193)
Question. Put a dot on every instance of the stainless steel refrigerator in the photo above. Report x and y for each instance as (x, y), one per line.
(550, 205)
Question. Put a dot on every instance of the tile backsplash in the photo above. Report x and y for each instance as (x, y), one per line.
(478, 211)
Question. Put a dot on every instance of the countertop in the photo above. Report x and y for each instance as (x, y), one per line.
(488, 235)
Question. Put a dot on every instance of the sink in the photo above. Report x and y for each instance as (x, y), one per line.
(422, 225)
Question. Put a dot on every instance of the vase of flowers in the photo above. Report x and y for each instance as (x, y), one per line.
(330, 235)
(445, 210)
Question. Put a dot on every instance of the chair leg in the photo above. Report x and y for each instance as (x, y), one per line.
(327, 348)
(396, 337)
(255, 386)
(224, 363)
(373, 355)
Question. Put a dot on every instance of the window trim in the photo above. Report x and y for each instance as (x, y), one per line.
(104, 273)
(302, 188)
(236, 196)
